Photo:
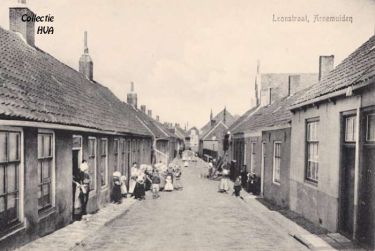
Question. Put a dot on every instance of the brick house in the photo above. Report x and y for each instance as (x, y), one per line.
(332, 176)
(51, 118)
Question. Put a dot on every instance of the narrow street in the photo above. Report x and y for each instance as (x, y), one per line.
(197, 218)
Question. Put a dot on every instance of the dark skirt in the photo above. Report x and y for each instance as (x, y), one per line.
(116, 193)
(139, 191)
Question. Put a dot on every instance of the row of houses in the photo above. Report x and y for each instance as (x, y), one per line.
(311, 139)
(51, 118)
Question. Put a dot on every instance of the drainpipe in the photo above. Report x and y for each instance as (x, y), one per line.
(356, 168)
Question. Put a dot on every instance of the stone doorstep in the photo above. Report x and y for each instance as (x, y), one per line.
(74, 234)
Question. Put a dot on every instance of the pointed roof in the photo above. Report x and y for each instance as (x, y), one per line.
(357, 70)
(229, 119)
(35, 86)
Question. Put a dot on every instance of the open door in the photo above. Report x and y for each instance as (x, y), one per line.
(76, 160)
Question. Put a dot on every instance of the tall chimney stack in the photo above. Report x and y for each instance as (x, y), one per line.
(294, 83)
(325, 65)
(143, 108)
(132, 97)
(257, 88)
(26, 29)
(149, 113)
(86, 66)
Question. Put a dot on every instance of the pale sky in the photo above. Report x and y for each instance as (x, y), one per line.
(188, 56)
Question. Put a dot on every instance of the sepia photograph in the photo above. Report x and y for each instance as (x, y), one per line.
(187, 125)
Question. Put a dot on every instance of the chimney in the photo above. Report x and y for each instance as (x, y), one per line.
(257, 85)
(157, 118)
(132, 96)
(325, 65)
(149, 112)
(294, 83)
(26, 29)
(143, 108)
(85, 62)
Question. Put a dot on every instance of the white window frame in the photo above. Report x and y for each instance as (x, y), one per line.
(274, 163)
(21, 179)
(53, 168)
(106, 185)
(307, 143)
(93, 180)
(353, 129)
(79, 148)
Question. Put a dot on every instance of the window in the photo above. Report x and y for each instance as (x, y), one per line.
(45, 170)
(92, 162)
(350, 129)
(123, 156)
(10, 160)
(252, 158)
(103, 162)
(116, 146)
(370, 127)
(312, 147)
(276, 162)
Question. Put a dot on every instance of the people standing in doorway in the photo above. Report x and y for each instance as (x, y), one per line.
(82, 181)
(133, 178)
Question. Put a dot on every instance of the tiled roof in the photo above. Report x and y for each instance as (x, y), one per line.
(229, 119)
(357, 68)
(35, 86)
(273, 115)
(154, 126)
(218, 128)
(241, 119)
(181, 133)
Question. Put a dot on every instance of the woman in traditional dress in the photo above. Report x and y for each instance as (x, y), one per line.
(124, 189)
(177, 181)
(224, 186)
(133, 178)
(139, 190)
(168, 184)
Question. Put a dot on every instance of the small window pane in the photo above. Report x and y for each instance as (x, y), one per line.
(46, 165)
(2, 181)
(11, 203)
(371, 127)
(47, 143)
(40, 146)
(2, 204)
(13, 146)
(77, 142)
(350, 129)
(3, 148)
(11, 177)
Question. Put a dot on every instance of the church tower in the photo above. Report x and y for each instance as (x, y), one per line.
(85, 62)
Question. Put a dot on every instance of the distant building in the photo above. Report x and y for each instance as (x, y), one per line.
(212, 134)
(192, 139)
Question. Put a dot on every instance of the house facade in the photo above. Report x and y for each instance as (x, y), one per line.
(331, 177)
(51, 118)
(192, 140)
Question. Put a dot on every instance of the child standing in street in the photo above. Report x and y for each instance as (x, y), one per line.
(116, 190)
(124, 189)
(237, 187)
(155, 184)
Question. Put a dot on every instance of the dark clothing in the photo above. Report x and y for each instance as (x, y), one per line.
(139, 191)
(237, 188)
(83, 198)
(156, 179)
(116, 195)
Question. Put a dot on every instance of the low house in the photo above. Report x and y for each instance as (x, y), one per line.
(212, 134)
(333, 142)
(51, 118)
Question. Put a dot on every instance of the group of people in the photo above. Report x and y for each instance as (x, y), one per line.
(144, 178)
(220, 170)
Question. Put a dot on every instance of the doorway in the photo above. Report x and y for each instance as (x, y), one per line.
(76, 161)
(347, 169)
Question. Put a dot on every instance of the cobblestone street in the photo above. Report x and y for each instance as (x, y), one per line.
(197, 218)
